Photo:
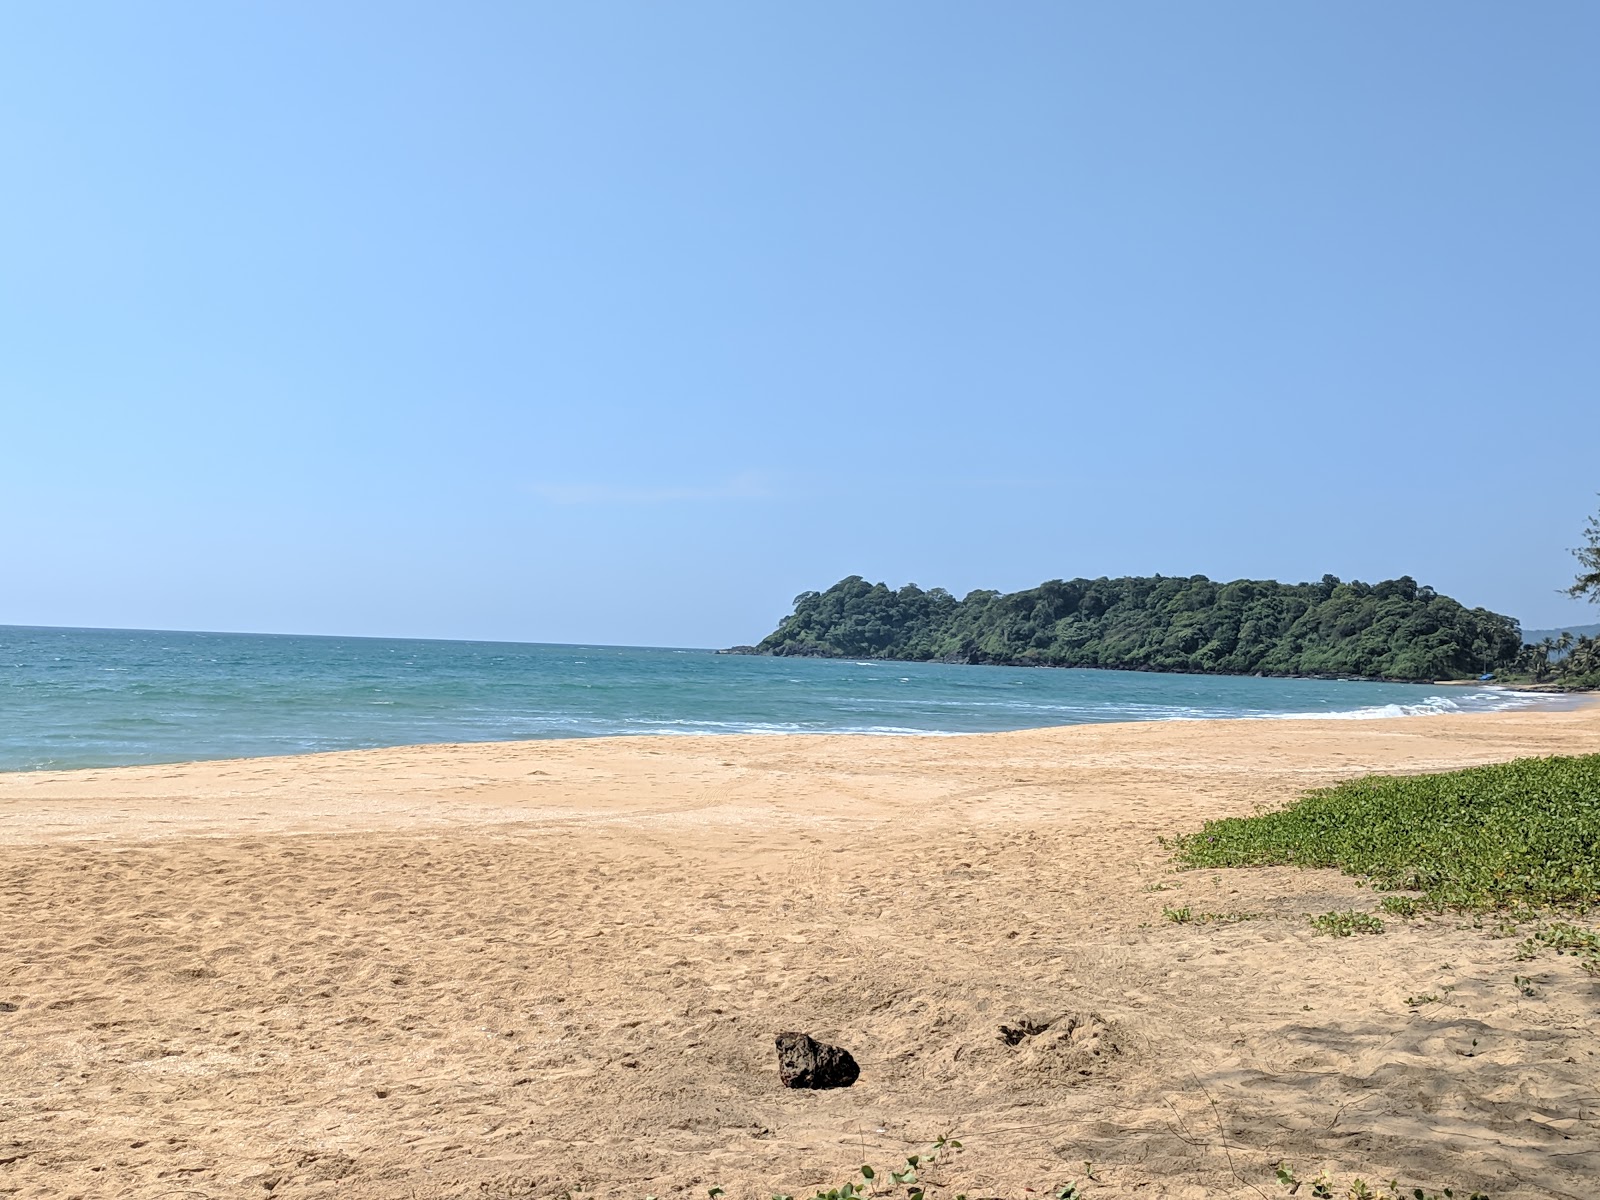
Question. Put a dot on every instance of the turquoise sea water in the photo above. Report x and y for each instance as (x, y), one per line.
(81, 697)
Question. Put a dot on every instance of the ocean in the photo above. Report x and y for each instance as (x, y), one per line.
(100, 697)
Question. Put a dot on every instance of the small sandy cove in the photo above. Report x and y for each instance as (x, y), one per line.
(516, 970)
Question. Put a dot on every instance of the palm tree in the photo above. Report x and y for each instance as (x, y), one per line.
(1540, 652)
(1585, 656)
(1563, 658)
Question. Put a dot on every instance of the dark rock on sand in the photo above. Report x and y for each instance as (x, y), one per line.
(804, 1062)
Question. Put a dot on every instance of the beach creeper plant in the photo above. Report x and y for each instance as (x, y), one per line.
(907, 1181)
(1513, 836)
(1324, 1187)
(1564, 938)
(1343, 924)
(1186, 916)
(1401, 906)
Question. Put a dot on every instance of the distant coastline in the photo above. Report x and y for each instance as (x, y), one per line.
(1393, 631)
(1534, 636)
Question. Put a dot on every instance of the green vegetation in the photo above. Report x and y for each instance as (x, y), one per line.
(1343, 924)
(913, 1179)
(1568, 660)
(1401, 906)
(1514, 835)
(908, 1181)
(1391, 630)
(1187, 916)
(1565, 938)
(1323, 1187)
(869, 1183)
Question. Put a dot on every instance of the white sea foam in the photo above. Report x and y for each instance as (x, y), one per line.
(713, 728)
(1496, 700)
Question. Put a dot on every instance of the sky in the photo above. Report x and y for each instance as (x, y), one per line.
(627, 322)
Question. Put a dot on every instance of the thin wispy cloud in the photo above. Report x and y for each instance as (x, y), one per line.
(747, 485)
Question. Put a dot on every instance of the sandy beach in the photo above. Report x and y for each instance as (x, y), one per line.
(523, 969)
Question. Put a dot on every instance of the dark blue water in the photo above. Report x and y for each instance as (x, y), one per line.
(78, 697)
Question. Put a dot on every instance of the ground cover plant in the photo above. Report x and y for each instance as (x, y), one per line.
(910, 1183)
(1343, 924)
(1187, 916)
(1565, 938)
(913, 1179)
(1324, 1187)
(1517, 835)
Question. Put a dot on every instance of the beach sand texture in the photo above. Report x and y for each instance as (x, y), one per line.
(507, 970)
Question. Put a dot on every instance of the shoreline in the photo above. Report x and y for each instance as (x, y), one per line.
(1573, 700)
(1137, 668)
(520, 968)
(440, 784)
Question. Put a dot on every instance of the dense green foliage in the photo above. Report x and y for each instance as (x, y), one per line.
(1390, 630)
(1518, 833)
(1567, 660)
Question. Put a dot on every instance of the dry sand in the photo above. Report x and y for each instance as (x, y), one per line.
(517, 969)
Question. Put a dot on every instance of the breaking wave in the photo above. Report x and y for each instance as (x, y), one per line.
(1490, 700)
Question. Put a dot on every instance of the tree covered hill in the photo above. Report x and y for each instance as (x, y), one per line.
(1390, 630)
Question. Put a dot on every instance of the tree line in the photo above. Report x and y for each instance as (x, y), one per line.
(1396, 629)
(1390, 630)
(1570, 659)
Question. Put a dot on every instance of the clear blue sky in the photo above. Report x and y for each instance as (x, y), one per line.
(627, 322)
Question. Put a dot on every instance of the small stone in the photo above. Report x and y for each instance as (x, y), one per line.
(804, 1062)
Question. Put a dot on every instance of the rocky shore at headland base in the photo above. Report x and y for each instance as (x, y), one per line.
(525, 969)
(957, 660)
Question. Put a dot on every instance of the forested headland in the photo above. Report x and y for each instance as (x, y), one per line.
(1396, 629)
